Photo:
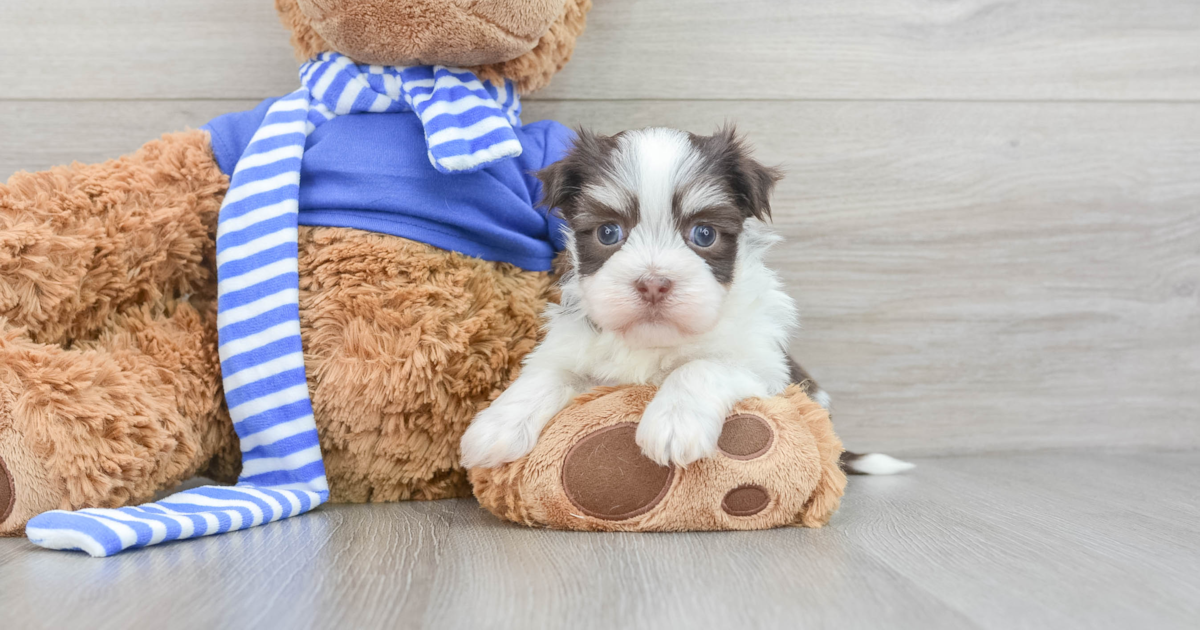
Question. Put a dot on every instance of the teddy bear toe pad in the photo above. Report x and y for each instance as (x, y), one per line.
(746, 500)
(745, 436)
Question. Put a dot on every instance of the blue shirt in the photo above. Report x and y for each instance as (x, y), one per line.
(372, 172)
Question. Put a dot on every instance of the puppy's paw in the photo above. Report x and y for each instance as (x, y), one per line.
(677, 431)
(497, 435)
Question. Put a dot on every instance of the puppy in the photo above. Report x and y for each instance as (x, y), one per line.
(667, 287)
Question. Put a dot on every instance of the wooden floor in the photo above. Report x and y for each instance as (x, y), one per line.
(1047, 540)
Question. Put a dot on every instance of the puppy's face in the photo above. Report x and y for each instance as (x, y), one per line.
(655, 216)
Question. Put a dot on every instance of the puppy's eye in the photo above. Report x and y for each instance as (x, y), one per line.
(704, 235)
(609, 234)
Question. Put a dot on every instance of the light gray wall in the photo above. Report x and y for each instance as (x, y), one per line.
(992, 208)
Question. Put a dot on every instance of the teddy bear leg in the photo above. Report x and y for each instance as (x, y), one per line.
(81, 243)
(403, 344)
(112, 421)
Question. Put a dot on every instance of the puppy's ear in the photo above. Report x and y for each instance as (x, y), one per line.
(562, 182)
(750, 182)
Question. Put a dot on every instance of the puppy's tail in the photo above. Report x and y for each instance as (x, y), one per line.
(852, 463)
(873, 464)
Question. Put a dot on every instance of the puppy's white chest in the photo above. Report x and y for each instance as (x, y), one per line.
(614, 363)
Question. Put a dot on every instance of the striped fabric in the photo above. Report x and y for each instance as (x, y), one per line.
(468, 125)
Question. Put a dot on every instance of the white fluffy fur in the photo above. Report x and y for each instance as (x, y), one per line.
(706, 347)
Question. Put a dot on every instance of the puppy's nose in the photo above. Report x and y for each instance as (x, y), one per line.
(653, 289)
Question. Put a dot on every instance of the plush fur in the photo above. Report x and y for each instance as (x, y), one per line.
(82, 243)
(419, 32)
(404, 343)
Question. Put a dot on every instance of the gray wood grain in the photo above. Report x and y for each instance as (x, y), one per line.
(363, 566)
(1111, 488)
(775, 579)
(35, 136)
(971, 276)
(712, 49)
(1063, 539)
(970, 528)
(134, 49)
(881, 49)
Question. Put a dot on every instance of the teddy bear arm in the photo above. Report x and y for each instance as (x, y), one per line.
(80, 244)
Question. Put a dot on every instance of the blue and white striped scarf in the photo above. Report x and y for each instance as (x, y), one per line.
(468, 125)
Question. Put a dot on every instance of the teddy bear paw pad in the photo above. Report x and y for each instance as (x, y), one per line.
(746, 500)
(8, 493)
(606, 475)
(745, 436)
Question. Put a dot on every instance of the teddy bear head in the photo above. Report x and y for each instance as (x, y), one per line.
(526, 41)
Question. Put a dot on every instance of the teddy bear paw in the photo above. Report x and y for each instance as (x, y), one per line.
(588, 470)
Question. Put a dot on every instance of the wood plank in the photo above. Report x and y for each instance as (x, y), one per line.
(134, 49)
(37, 135)
(496, 574)
(972, 276)
(1020, 553)
(1166, 479)
(881, 49)
(343, 566)
(653, 49)
(1108, 493)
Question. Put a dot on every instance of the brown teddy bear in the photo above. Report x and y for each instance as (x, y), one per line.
(110, 378)
(110, 357)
